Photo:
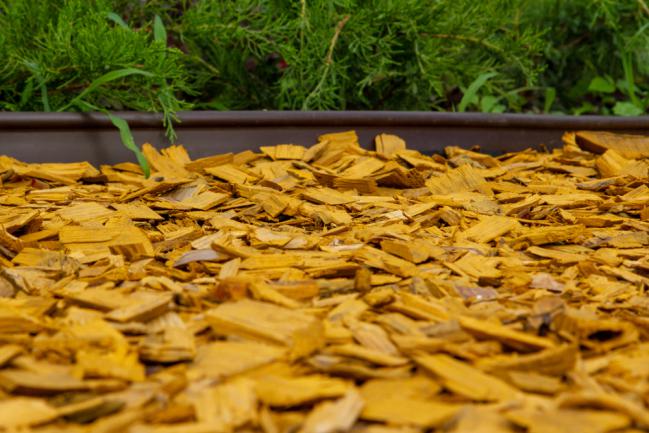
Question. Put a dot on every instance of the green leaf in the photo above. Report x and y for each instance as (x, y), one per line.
(627, 109)
(488, 103)
(117, 20)
(627, 65)
(550, 96)
(471, 92)
(44, 97)
(106, 78)
(159, 32)
(128, 141)
(27, 92)
(601, 85)
(585, 107)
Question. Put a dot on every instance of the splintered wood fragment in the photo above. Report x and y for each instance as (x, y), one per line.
(39, 257)
(299, 332)
(137, 211)
(13, 219)
(534, 382)
(9, 241)
(227, 406)
(84, 211)
(27, 382)
(410, 251)
(77, 237)
(627, 145)
(490, 228)
(548, 235)
(476, 266)
(395, 176)
(222, 359)
(559, 256)
(284, 151)
(463, 178)
(595, 333)
(206, 254)
(367, 354)
(365, 186)
(555, 361)
(20, 413)
(65, 173)
(273, 204)
(8, 352)
(389, 263)
(166, 165)
(611, 164)
(173, 344)
(327, 196)
(466, 380)
(363, 166)
(270, 261)
(521, 341)
(142, 306)
(199, 165)
(408, 401)
(565, 420)
(230, 173)
(205, 200)
(388, 144)
(288, 391)
(336, 416)
(571, 200)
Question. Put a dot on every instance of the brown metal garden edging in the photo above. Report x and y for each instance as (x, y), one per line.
(61, 137)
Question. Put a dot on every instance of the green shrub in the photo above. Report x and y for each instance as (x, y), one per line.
(69, 55)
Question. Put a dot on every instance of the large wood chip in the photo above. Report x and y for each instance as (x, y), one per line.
(466, 380)
(300, 332)
(336, 416)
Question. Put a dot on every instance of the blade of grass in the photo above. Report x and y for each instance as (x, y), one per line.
(125, 134)
(44, 97)
(127, 139)
(117, 20)
(472, 90)
(106, 78)
(627, 65)
(159, 32)
(27, 92)
(550, 96)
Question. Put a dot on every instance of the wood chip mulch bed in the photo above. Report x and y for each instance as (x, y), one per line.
(329, 289)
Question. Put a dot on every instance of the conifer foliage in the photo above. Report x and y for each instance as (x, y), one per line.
(578, 56)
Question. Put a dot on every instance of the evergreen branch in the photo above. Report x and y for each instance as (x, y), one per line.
(328, 62)
(469, 39)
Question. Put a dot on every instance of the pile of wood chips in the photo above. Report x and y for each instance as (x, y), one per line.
(329, 289)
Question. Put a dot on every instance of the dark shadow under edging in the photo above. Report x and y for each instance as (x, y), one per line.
(67, 137)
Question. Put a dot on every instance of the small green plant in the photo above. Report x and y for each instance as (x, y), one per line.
(78, 55)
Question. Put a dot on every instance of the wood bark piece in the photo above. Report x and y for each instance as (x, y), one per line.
(329, 288)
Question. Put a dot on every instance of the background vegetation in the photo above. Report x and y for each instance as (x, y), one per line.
(567, 56)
